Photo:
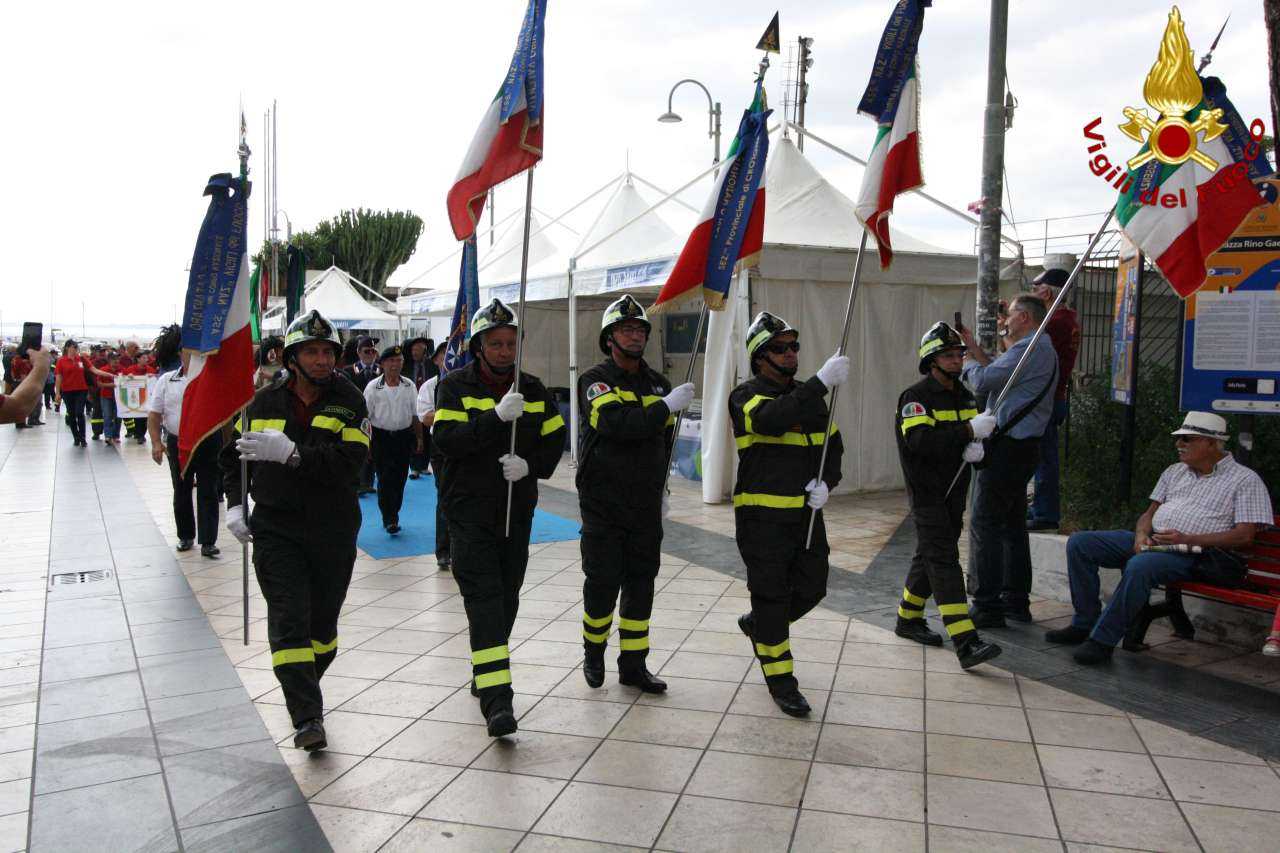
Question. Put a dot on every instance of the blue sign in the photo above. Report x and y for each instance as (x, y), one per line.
(636, 275)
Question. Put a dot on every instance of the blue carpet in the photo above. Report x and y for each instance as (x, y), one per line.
(418, 524)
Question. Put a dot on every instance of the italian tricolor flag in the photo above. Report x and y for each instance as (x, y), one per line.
(893, 167)
(1206, 208)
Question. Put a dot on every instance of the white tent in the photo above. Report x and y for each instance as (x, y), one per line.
(333, 293)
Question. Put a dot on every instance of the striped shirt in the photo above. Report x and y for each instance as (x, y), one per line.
(1231, 494)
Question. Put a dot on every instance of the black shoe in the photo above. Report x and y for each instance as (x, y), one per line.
(917, 630)
(1018, 614)
(443, 565)
(393, 529)
(1036, 524)
(975, 652)
(474, 691)
(747, 625)
(185, 544)
(96, 437)
(1068, 636)
(310, 736)
(987, 618)
(501, 721)
(209, 551)
(643, 679)
(364, 491)
(593, 666)
(413, 475)
(1091, 652)
(142, 439)
(792, 703)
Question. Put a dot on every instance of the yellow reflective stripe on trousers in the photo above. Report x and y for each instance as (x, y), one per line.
(600, 622)
(634, 644)
(259, 424)
(773, 651)
(450, 415)
(747, 409)
(914, 599)
(953, 609)
(326, 422)
(960, 627)
(595, 638)
(552, 424)
(782, 667)
(489, 655)
(324, 648)
(771, 501)
(356, 435)
(493, 679)
(625, 624)
(285, 656)
(481, 403)
(918, 420)
(910, 614)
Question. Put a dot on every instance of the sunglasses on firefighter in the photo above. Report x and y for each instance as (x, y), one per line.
(779, 349)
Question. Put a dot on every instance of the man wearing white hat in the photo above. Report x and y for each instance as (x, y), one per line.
(1204, 507)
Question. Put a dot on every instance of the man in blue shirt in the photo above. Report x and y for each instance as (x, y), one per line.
(1000, 553)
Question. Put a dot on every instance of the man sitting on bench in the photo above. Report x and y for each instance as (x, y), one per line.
(1203, 507)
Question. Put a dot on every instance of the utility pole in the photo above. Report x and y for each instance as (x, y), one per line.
(1271, 17)
(993, 127)
(802, 88)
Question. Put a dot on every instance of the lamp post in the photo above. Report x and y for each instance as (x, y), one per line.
(713, 114)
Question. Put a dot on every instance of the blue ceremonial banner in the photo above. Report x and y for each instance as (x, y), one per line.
(457, 352)
(895, 59)
(736, 203)
(215, 266)
(525, 73)
(1236, 136)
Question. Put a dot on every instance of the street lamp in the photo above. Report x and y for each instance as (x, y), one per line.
(713, 114)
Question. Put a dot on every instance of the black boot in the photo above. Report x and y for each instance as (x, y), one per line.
(474, 691)
(310, 736)
(792, 703)
(641, 677)
(917, 630)
(593, 665)
(747, 625)
(1068, 636)
(500, 720)
(975, 651)
(1091, 652)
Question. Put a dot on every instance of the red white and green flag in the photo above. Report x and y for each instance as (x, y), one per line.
(892, 98)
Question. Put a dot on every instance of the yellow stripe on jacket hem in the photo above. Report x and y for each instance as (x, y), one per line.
(770, 501)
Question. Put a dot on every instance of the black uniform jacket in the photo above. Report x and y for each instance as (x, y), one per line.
(780, 431)
(332, 439)
(358, 377)
(931, 433)
(471, 436)
(626, 436)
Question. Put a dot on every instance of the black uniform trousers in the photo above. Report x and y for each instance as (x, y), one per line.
(935, 567)
(490, 569)
(204, 476)
(95, 412)
(1000, 552)
(786, 581)
(620, 554)
(418, 461)
(391, 452)
(304, 575)
(442, 524)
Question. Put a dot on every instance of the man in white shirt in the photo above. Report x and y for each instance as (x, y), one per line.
(397, 433)
(164, 411)
(427, 416)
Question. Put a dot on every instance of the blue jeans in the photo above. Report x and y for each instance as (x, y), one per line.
(1045, 507)
(1113, 549)
(110, 423)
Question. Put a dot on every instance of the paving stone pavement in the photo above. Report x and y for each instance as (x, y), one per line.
(904, 751)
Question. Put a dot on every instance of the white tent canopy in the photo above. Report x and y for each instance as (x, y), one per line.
(333, 293)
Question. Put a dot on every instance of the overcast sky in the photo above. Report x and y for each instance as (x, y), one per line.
(116, 113)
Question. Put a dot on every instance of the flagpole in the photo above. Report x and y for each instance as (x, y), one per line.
(524, 280)
(243, 152)
(831, 405)
(688, 377)
(1022, 360)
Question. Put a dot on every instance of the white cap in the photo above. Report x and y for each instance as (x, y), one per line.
(1206, 424)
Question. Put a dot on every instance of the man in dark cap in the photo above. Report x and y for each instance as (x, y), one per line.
(397, 433)
(361, 373)
(1063, 329)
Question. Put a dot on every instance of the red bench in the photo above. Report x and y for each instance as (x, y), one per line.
(1260, 592)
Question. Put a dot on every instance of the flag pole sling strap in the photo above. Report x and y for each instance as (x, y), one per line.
(524, 280)
(688, 377)
(831, 406)
(1022, 360)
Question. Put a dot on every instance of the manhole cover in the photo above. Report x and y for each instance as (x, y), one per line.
(71, 578)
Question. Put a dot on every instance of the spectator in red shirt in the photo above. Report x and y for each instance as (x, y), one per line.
(107, 397)
(70, 384)
(1063, 329)
(20, 368)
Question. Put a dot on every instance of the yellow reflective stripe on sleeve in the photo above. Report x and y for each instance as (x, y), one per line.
(324, 648)
(747, 409)
(910, 614)
(355, 435)
(609, 397)
(671, 420)
(634, 644)
(489, 655)
(918, 420)
(285, 656)
(239, 425)
(968, 414)
(493, 679)
(960, 627)
(914, 599)
(450, 415)
(625, 624)
(628, 396)
(481, 403)
(326, 422)
(649, 399)
(597, 623)
(259, 424)
(552, 424)
(953, 609)
(773, 651)
(781, 667)
(536, 407)
(771, 501)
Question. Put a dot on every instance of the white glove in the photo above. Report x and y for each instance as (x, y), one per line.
(679, 398)
(818, 494)
(513, 467)
(237, 525)
(973, 452)
(835, 371)
(270, 445)
(983, 425)
(666, 505)
(510, 407)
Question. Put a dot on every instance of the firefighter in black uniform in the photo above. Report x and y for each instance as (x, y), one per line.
(628, 418)
(307, 437)
(475, 408)
(780, 426)
(937, 425)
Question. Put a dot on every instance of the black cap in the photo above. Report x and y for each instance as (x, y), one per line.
(390, 352)
(365, 341)
(1052, 277)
